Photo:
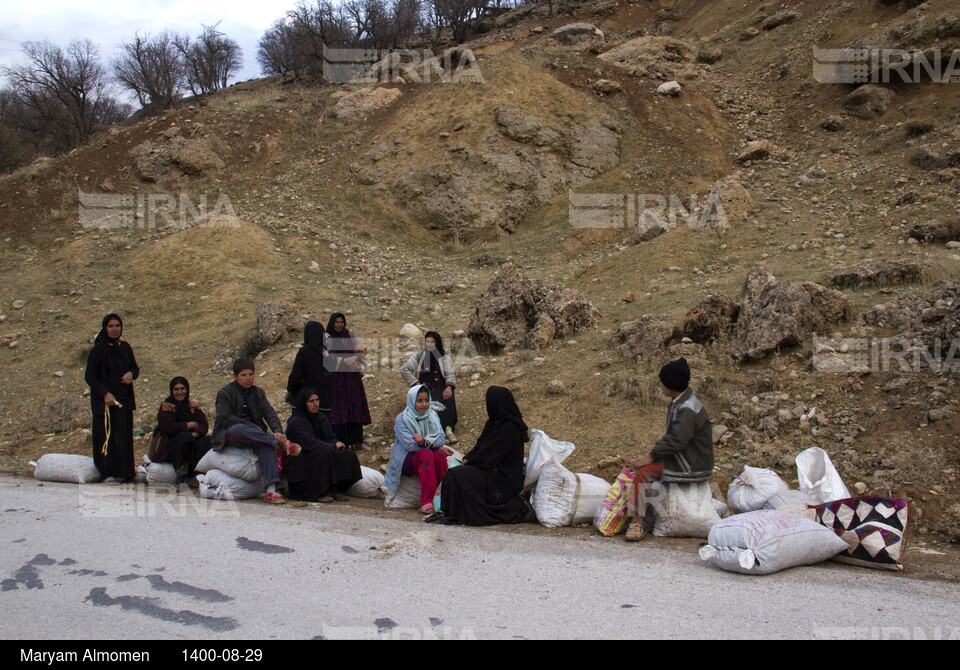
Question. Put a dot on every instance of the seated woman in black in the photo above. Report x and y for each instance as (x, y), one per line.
(181, 436)
(485, 490)
(325, 468)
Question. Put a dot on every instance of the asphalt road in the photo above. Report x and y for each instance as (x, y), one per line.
(96, 562)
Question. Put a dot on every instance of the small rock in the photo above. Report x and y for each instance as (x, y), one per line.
(671, 88)
(18, 304)
(556, 387)
(410, 331)
(314, 267)
(860, 488)
(718, 432)
(628, 298)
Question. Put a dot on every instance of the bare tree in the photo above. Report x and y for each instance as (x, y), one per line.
(277, 52)
(209, 60)
(153, 68)
(60, 96)
(11, 152)
(458, 15)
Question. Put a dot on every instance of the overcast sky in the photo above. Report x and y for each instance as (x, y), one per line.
(108, 22)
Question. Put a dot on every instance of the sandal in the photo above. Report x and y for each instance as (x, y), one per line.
(427, 509)
(635, 533)
(274, 498)
(440, 518)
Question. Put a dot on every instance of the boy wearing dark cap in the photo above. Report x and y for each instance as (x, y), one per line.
(243, 417)
(684, 455)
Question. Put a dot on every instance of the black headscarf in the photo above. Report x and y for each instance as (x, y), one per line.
(102, 335)
(331, 332)
(313, 337)
(183, 407)
(436, 338)
(432, 361)
(300, 409)
(118, 350)
(502, 407)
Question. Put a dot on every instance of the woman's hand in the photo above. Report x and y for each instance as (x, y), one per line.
(446, 450)
(340, 445)
(193, 425)
(127, 378)
(109, 400)
(281, 439)
(418, 438)
(447, 393)
(195, 434)
(350, 361)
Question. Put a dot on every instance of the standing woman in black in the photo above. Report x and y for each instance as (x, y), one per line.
(111, 369)
(310, 367)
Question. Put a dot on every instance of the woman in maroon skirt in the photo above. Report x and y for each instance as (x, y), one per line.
(349, 411)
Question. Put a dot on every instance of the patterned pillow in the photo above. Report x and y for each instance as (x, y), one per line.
(873, 526)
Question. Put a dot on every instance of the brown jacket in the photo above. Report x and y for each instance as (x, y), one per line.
(168, 426)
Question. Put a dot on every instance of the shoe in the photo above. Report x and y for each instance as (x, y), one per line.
(635, 533)
(274, 498)
(293, 449)
(111, 481)
(325, 499)
(440, 518)
(452, 438)
(339, 496)
(363, 447)
(427, 509)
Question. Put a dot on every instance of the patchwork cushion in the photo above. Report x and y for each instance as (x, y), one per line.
(873, 526)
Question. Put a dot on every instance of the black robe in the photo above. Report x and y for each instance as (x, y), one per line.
(107, 362)
(486, 489)
(320, 466)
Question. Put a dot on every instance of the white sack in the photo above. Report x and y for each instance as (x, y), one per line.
(369, 486)
(753, 488)
(563, 498)
(236, 462)
(407, 495)
(793, 502)
(760, 543)
(683, 510)
(818, 477)
(69, 468)
(543, 449)
(218, 485)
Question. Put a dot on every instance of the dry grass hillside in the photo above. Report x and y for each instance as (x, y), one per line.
(834, 190)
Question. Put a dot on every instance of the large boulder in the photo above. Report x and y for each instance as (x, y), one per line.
(358, 104)
(657, 57)
(66, 414)
(775, 314)
(868, 101)
(876, 273)
(645, 337)
(574, 33)
(945, 230)
(275, 320)
(713, 317)
(519, 312)
(195, 157)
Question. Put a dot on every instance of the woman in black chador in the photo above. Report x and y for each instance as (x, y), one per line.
(111, 369)
(485, 490)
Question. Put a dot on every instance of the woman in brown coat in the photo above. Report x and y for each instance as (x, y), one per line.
(180, 437)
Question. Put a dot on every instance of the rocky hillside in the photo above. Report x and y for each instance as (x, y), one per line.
(398, 202)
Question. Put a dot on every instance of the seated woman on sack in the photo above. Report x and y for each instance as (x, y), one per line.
(434, 367)
(325, 468)
(419, 448)
(485, 489)
(180, 437)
